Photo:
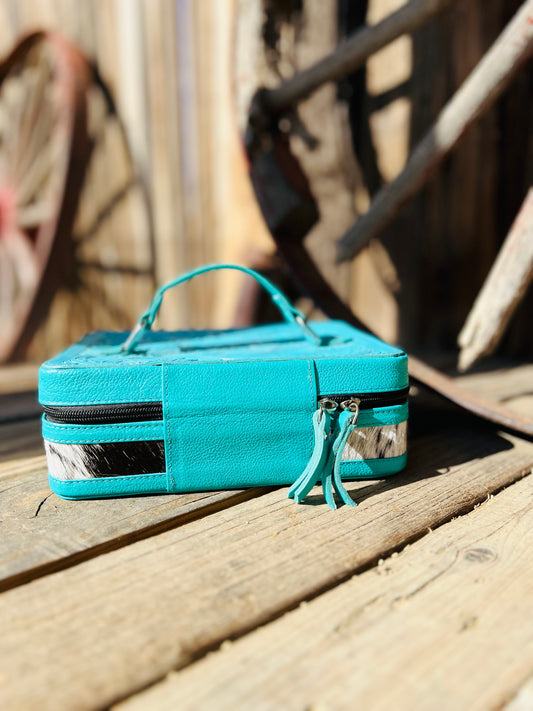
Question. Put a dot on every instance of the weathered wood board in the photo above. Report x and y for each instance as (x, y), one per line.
(512, 386)
(20, 441)
(523, 699)
(172, 597)
(445, 624)
(42, 533)
(18, 378)
(18, 392)
(19, 406)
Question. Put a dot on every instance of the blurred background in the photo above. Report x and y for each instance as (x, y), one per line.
(122, 165)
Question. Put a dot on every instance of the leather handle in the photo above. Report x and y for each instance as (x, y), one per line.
(288, 311)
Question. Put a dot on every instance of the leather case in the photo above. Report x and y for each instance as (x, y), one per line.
(289, 403)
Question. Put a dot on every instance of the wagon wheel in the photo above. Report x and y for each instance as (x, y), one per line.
(79, 249)
(41, 118)
(289, 208)
(109, 275)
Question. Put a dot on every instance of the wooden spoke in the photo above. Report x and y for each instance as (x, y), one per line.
(106, 211)
(38, 106)
(63, 255)
(30, 216)
(117, 268)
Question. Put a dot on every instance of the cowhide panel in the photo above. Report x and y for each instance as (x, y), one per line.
(376, 442)
(92, 461)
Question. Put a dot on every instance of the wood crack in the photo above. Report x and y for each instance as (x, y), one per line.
(38, 510)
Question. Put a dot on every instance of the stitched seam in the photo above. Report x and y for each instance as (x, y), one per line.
(371, 422)
(390, 409)
(55, 440)
(367, 353)
(314, 396)
(169, 456)
(136, 477)
(377, 415)
(374, 460)
(96, 428)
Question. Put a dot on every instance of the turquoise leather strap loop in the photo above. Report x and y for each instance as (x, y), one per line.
(288, 311)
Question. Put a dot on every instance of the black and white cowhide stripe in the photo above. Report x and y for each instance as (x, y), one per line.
(376, 442)
(92, 461)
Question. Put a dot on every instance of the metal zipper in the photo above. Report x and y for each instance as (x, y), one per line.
(104, 414)
(369, 400)
(152, 411)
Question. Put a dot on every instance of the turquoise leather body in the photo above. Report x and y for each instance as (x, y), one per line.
(236, 405)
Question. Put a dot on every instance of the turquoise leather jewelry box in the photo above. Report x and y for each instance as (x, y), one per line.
(282, 404)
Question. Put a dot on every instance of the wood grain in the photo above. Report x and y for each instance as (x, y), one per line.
(123, 620)
(523, 699)
(19, 406)
(502, 291)
(18, 378)
(484, 85)
(445, 624)
(42, 533)
(20, 440)
(502, 382)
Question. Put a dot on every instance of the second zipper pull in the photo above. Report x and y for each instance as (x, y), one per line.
(347, 423)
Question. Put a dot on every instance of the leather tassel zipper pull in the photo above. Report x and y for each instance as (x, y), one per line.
(321, 456)
(331, 478)
(347, 423)
(331, 435)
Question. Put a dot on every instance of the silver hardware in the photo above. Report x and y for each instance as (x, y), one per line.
(132, 338)
(308, 330)
(352, 406)
(327, 405)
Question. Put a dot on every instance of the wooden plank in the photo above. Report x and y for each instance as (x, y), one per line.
(331, 167)
(17, 378)
(165, 176)
(444, 624)
(19, 406)
(19, 440)
(42, 533)
(502, 381)
(174, 596)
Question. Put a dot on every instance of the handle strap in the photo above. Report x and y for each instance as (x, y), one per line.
(288, 311)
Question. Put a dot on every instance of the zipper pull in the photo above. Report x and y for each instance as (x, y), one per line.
(347, 423)
(322, 424)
